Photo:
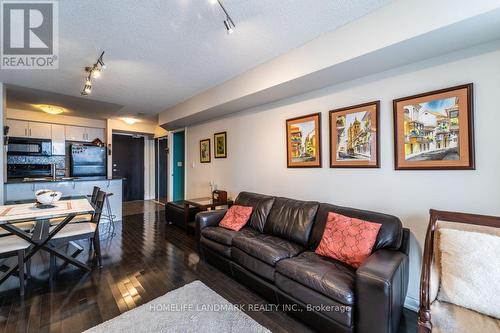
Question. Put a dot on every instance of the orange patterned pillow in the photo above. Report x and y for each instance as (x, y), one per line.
(348, 239)
(236, 217)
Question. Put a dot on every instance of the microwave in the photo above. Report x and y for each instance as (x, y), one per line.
(33, 147)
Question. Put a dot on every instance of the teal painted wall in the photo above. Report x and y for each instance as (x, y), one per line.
(178, 167)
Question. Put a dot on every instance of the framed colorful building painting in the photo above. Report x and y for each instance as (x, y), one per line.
(434, 130)
(220, 145)
(354, 136)
(303, 141)
(205, 151)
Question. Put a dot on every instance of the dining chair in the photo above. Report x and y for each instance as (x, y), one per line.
(80, 218)
(11, 246)
(81, 230)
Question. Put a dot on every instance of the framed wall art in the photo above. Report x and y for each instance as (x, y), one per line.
(220, 145)
(435, 130)
(205, 151)
(354, 136)
(303, 141)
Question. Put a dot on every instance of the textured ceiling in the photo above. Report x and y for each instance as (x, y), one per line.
(160, 52)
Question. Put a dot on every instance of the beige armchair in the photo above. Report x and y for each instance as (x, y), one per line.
(437, 313)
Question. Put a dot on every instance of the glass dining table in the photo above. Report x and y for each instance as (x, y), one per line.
(42, 233)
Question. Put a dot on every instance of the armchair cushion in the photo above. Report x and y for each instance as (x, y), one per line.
(470, 267)
(447, 317)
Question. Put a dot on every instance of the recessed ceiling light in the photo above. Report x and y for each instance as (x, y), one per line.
(51, 109)
(130, 121)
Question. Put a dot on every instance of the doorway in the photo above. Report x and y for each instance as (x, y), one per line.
(128, 164)
(178, 166)
(161, 169)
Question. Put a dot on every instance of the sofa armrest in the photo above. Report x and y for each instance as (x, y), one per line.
(381, 284)
(209, 218)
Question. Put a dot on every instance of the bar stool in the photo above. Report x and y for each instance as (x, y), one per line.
(109, 216)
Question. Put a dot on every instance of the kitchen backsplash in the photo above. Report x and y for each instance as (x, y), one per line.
(20, 159)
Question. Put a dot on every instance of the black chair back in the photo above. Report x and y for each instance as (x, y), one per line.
(98, 207)
(93, 198)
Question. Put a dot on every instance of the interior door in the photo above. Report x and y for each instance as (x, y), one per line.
(178, 167)
(128, 164)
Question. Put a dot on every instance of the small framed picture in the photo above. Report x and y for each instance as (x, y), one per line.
(303, 141)
(205, 151)
(220, 145)
(434, 130)
(354, 136)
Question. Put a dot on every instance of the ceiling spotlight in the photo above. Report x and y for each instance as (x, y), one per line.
(229, 26)
(228, 22)
(96, 73)
(93, 71)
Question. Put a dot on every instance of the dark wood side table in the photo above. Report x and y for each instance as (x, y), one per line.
(203, 204)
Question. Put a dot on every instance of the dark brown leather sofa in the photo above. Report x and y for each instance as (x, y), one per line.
(274, 255)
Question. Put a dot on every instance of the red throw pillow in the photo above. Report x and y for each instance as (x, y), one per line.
(236, 217)
(348, 239)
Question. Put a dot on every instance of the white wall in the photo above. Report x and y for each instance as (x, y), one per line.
(257, 152)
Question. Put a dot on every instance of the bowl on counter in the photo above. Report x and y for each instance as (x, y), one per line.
(47, 197)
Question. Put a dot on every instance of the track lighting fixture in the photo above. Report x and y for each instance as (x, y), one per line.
(93, 71)
(228, 22)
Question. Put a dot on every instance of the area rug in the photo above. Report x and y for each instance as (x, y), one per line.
(191, 308)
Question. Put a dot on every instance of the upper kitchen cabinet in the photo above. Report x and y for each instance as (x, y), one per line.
(28, 129)
(84, 134)
(58, 140)
(95, 133)
(40, 130)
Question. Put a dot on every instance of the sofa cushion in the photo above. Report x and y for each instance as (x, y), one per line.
(253, 264)
(225, 236)
(236, 217)
(219, 248)
(317, 302)
(266, 248)
(291, 219)
(261, 207)
(327, 276)
(390, 234)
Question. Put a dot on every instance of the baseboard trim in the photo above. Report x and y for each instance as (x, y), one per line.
(411, 303)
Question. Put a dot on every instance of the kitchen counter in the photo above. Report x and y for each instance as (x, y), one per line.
(19, 190)
(58, 180)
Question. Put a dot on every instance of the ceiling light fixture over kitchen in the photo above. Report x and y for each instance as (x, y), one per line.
(228, 22)
(93, 71)
(52, 109)
(130, 121)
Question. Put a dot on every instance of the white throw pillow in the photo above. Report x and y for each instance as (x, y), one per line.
(470, 270)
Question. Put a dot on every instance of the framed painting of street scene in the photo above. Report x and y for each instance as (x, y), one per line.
(435, 130)
(220, 145)
(303, 140)
(354, 136)
(205, 151)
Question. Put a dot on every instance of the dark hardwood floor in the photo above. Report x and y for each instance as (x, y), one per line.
(144, 260)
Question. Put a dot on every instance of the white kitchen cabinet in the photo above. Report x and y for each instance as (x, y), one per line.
(95, 133)
(40, 130)
(75, 133)
(28, 129)
(84, 134)
(58, 140)
(17, 128)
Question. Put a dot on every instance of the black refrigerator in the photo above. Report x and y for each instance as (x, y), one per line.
(88, 161)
